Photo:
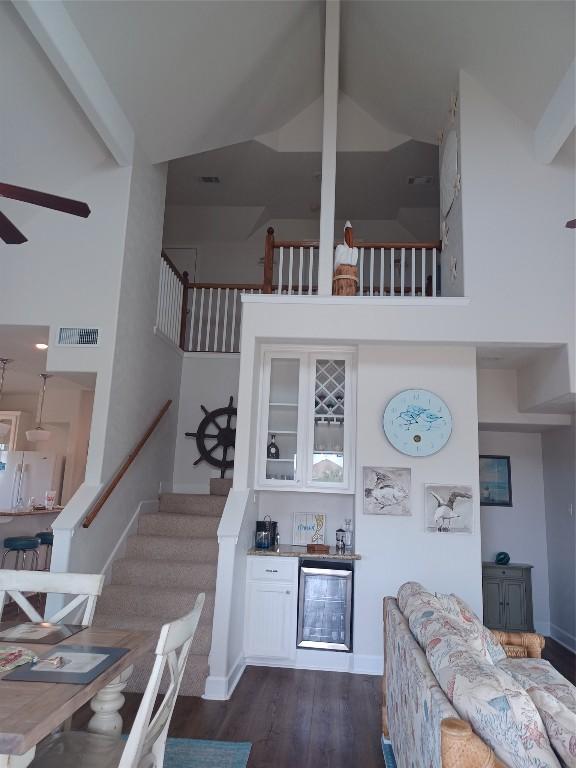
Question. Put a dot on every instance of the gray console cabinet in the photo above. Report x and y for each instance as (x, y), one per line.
(507, 596)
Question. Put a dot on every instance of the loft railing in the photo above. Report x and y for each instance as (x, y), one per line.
(205, 317)
(172, 309)
(384, 269)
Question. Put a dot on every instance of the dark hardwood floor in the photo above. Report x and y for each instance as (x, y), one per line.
(294, 718)
(561, 658)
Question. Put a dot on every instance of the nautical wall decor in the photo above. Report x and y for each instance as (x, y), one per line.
(216, 437)
(417, 422)
(449, 509)
(387, 490)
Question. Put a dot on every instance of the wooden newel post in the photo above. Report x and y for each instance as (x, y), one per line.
(268, 261)
(184, 316)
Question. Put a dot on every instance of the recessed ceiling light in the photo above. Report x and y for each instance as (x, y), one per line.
(420, 181)
(41, 346)
(210, 179)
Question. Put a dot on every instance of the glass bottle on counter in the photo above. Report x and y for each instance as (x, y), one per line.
(348, 549)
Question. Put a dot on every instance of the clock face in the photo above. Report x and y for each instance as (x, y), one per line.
(417, 422)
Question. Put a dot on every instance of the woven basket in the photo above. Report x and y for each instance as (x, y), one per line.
(345, 280)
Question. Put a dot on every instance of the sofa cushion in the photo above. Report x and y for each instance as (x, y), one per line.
(560, 724)
(497, 707)
(540, 673)
(460, 610)
(406, 591)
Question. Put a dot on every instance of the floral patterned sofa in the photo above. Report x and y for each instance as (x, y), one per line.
(457, 695)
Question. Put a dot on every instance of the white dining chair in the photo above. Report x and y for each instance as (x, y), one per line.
(85, 587)
(146, 743)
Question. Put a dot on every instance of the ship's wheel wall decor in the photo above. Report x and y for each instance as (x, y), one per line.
(216, 437)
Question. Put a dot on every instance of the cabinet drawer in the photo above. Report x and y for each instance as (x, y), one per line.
(267, 568)
(504, 572)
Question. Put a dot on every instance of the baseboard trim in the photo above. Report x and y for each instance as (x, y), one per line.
(326, 661)
(221, 688)
(563, 637)
(150, 505)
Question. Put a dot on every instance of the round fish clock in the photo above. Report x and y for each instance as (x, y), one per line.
(417, 422)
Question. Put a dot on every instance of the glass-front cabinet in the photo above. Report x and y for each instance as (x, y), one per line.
(306, 431)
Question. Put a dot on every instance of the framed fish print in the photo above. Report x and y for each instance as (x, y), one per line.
(495, 481)
(387, 490)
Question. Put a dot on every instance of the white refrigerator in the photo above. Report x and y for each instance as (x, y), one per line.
(27, 474)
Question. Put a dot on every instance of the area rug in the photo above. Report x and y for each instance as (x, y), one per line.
(196, 753)
(389, 758)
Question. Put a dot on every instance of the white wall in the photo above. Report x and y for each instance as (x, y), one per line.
(520, 530)
(146, 373)
(498, 403)
(559, 455)
(207, 379)
(394, 549)
(519, 258)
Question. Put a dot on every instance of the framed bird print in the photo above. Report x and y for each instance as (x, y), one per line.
(449, 509)
(387, 490)
(417, 422)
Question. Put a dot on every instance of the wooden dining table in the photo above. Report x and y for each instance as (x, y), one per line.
(30, 711)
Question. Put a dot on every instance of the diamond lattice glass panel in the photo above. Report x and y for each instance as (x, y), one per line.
(329, 394)
(282, 436)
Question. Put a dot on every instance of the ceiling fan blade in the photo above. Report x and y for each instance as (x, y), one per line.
(9, 233)
(571, 224)
(56, 203)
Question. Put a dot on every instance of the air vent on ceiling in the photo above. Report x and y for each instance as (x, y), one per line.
(420, 181)
(78, 337)
(210, 179)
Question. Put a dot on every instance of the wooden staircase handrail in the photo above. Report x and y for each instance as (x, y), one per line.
(106, 492)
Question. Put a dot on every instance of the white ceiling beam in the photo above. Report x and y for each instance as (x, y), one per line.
(60, 40)
(329, 136)
(558, 120)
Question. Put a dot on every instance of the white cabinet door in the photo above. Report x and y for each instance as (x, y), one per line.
(271, 620)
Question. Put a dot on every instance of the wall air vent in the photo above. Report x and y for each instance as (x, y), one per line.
(210, 179)
(420, 181)
(78, 337)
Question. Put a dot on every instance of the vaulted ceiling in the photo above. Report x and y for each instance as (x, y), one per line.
(194, 76)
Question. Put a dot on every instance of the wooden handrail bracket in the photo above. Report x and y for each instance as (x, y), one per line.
(106, 492)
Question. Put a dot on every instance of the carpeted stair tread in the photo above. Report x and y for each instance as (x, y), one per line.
(193, 681)
(192, 504)
(165, 573)
(202, 638)
(174, 524)
(151, 601)
(202, 550)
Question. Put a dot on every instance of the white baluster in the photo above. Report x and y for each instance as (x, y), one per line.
(402, 270)
(291, 265)
(233, 329)
(382, 268)
(217, 319)
(300, 268)
(280, 271)
(413, 273)
(361, 288)
(371, 271)
(200, 320)
(392, 287)
(192, 321)
(208, 320)
(423, 255)
(310, 269)
(433, 271)
(225, 326)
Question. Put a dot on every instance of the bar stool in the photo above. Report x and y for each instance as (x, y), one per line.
(46, 539)
(21, 545)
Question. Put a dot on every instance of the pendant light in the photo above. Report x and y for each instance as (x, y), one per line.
(4, 428)
(39, 433)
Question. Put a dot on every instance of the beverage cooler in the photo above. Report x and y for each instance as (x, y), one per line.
(325, 605)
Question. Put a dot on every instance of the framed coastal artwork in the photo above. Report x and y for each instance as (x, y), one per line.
(387, 490)
(495, 481)
(449, 509)
(309, 528)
